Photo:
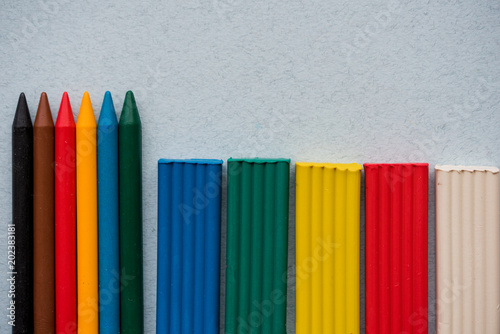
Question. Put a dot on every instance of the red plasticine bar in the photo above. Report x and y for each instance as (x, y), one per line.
(396, 248)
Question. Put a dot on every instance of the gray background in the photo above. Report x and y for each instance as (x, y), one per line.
(317, 80)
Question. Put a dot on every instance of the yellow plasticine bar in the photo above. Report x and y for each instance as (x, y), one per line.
(86, 204)
(327, 247)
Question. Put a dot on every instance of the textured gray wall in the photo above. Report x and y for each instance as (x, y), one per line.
(337, 81)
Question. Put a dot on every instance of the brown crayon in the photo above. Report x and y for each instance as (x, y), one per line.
(43, 220)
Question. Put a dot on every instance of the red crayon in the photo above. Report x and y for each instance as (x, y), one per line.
(396, 248)
(65, 208)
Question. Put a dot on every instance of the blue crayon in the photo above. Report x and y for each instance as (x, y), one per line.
(107, 180)
(189, 214)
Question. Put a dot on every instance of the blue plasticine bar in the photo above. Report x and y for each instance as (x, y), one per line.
(107, 176)
(189, 209)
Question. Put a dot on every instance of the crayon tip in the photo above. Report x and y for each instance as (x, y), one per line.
(65, 116)
(108, 113)
(22, 119)
(130, 114)
(86, 115)
(130, 95)
(43, 114)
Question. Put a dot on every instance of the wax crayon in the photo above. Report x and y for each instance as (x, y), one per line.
(130, 183)
(43, 220)
(467, 249)
(65, 229)
(189, 208)
(327, 239)
(257, 236)
(396, 248)
(20, 231)
(86, 211)
(107, 176)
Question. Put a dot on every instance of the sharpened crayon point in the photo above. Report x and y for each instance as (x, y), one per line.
(130, 114)
(86, 115)
(22, 119)
(65, 116)
(108, 113)
(43, 114)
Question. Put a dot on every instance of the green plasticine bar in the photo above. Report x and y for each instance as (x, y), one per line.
(257, 245)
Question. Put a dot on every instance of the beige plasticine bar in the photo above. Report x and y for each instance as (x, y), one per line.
(467, 249)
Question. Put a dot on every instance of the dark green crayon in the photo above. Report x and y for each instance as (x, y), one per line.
(130, 175)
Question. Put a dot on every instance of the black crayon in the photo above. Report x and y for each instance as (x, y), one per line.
(21, 268)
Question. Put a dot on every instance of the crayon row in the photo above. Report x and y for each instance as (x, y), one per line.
(77, 229)
(327, 234)
(75, 242)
